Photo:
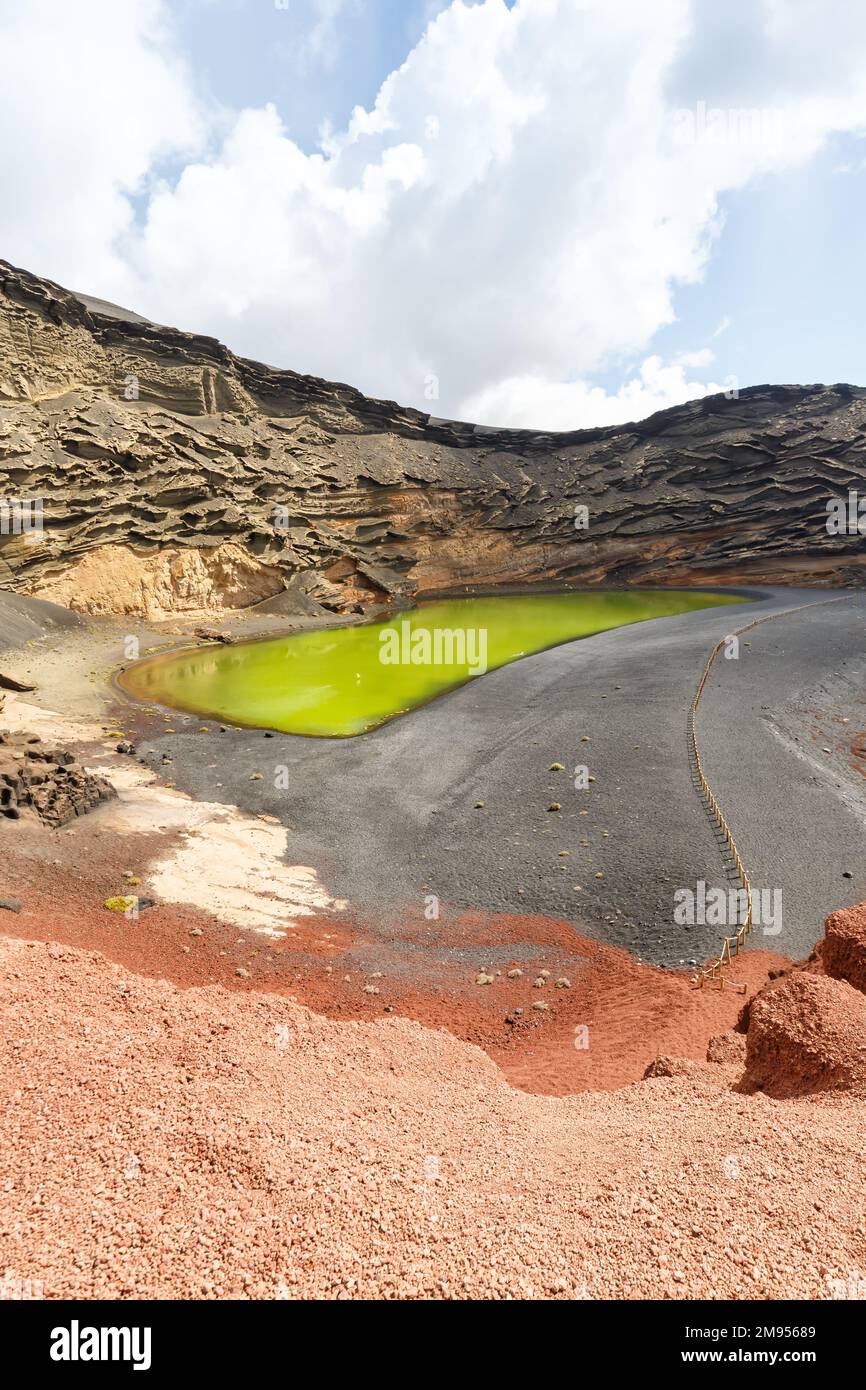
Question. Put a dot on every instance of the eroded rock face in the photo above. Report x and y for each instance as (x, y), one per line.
(807, 1033)
(46, 782)
(147, 439)
(843, 950)
(116, 579)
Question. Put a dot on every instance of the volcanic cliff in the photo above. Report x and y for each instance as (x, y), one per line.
(175, 476)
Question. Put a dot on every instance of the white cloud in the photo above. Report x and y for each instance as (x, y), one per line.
(512, 215)
(93, 96)
(323, 41)
(535, 403)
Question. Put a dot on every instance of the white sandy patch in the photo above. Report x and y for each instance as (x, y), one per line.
(226, 863)
(19, 717)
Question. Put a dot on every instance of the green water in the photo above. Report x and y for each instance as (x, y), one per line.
(340, 681)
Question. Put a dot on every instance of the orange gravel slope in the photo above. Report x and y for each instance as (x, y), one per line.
(201, 1143)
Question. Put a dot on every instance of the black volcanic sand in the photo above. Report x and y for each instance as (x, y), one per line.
(390, 817)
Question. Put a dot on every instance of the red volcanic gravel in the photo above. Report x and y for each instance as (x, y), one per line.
(203, 1144)
(600, 1031)
(178, 1129)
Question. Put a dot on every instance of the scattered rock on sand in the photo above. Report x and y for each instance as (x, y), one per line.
(671, 1066)
(10, 683)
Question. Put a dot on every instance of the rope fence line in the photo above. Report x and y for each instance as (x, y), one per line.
(712, 972)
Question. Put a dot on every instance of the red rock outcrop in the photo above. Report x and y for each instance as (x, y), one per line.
(807, 1033)
(843, 950)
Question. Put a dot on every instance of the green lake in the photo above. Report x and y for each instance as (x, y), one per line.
(339, 681)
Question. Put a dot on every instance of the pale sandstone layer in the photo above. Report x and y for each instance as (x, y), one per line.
(157, 584)
(143, 439)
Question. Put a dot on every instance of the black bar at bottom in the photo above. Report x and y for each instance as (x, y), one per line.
(66, 1339)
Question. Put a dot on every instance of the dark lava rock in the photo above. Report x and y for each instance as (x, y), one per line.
(47, 781)
(10, 683)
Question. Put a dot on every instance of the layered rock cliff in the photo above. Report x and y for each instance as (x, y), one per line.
(173, 475)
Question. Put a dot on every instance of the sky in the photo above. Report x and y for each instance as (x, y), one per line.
(544, 213)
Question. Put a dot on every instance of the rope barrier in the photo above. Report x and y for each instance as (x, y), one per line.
(712, 972)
